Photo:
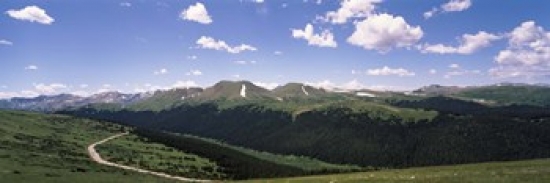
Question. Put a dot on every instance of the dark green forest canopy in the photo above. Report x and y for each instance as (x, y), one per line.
(379, 133)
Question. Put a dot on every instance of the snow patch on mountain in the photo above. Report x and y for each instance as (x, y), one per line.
(304, 90)
(243, 91)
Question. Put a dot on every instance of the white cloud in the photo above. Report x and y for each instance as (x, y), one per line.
(80, 93)
(347, 86)
(196, 13)
(461, 73)
(527, 55)
(454, 66)
(5, 42)
(125, 4)
(269, 86)
(456, 5)
(258, 1)
(325, 39)
(352, 85)
(49, 89)
(451, 6)
(350, 9)
(278, 53)
(147, 87)
(185, 84)
(192, 57)
(244, 62)
(161, 72)
(431, 13)
(383, 32)
(31, 14)
(31, 67)
(236, 76)
(194, 73)
(211, 43)
(325, 84)
(468, 44)
(83, 85)
(6, 95)
(387, 71)
(432, 71)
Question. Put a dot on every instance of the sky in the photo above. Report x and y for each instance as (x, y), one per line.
(86, 47)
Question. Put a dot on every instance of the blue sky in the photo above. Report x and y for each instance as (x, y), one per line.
(85, 47)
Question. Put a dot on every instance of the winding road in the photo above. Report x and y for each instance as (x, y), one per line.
(97, 158)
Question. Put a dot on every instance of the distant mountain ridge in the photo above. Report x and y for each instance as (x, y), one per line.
(502, 93)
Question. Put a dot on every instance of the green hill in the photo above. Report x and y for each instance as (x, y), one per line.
(165, 99)
(509, 94)
(52, 148)
(297, 90)
(235, 90)
(494, 172)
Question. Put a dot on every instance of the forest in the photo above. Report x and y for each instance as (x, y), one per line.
(462, 131)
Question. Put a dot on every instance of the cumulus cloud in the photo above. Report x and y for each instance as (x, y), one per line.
(350, 9)
(456, 5)
(382, 32)
(31, 14)
(527, 55)
(460, 72)
(6, 95)
(454, 66)
(387, 71)
(194, 73)
(468, 44)
(329, 85)
(49, 89)
(451, 6)
(31, 67)
(432, 71)
(269, 86)
(211, 43)
(325, 84)
(352, 85)
(161, 72)
(5, 42)
(324, 39)
(196, 13)
(185, 84)
(244, 62)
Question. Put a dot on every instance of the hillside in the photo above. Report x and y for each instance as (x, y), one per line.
(165, 99)
(390, 133)
(232, 90)
(291, 90)
(494, 172)
(509, 94)
(52, 148)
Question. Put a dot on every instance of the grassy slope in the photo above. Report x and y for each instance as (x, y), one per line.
(52, 148)
(505, 95)
(134, 151)
(301, 162)
(501, 172)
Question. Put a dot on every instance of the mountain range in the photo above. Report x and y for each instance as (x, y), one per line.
(503, 93)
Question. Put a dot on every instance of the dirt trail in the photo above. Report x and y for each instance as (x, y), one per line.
(97, 158)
